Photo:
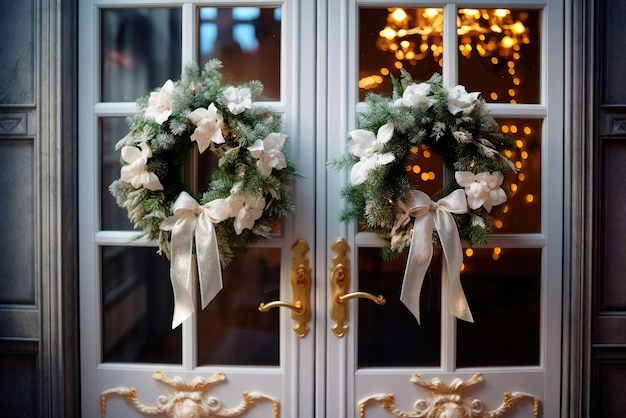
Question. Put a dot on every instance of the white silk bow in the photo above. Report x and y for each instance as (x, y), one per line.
(437, 215)
(191, 220)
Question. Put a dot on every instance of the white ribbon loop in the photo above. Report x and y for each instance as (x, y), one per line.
(194, 222)
(437, 215)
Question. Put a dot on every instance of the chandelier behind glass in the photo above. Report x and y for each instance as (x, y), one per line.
(417, 34)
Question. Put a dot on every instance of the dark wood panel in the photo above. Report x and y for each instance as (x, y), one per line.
(17, 229)
(611, 286)
(609, 391)
(18, 385)
(17, 49)
(613, 47)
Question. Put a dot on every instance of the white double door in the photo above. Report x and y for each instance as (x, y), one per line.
(369, 368)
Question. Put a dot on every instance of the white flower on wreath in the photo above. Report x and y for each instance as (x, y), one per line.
(246, 210)
(239, 99)
(160, 103)
(208, 127)
(482, 189)
(268, 152)
(367, 146)
(416, 95)
(135, 172)
(460, 100)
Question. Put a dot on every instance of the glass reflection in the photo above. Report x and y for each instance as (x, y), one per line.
(137, 307)
(389, 335)
(503, 60)
(247, 41)
(498, 50)
(112, 217)
(141, 49)
(387, 44)
(231, 330)
(521, 214)
(503, 289)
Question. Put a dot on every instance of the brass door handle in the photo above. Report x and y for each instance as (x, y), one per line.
(300, 290)
(339, 284)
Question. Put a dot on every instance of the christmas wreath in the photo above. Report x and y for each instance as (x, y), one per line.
(247, 194)
(457, 126)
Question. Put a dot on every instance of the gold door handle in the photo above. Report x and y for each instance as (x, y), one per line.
(300, 290)
(339, 284)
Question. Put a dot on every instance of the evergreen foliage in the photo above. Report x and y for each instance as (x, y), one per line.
(466, 141)
(236, 173)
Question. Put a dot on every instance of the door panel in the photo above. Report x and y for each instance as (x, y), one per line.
(248, 360)
(513, 283)
(316, 83)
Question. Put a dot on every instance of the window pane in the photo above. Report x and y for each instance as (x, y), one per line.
(141, 49)
(499, 53)
(502, 287)
(231, 330)
(247, 41)
(389, 335)
(112, 217)
(395, 38)
(522, 212)
(137, 307)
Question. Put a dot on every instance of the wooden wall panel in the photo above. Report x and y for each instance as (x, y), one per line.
(18, 385)
(17, 209)
(18, 51)
(607, 281)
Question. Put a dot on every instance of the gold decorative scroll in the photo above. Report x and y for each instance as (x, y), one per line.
(189, 399)
(447, 401)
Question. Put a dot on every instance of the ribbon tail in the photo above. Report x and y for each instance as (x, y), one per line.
(209, 268)
(451, 270)
(418, 261)
(180, 270)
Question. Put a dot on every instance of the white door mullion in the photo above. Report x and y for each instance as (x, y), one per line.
(450, 77)
(450, 67)
(189, 38)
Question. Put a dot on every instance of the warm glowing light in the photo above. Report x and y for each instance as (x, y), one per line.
(530, 198)
(497, 250)
(521, 177)
(462, 266)
(527, 130)
(519, 143)
(431, 12)
(518, 164)
(384, 71)
(398, 65)
(511, 92)
(495, 256)
(424, 176)
(498, 224)
(399, 15)
(505, 209)
(387, 33)
(524, 155)
(501, 13)
(431, 175)
(469, 252)
(494, 60)
(513, 187)
(513, 129)
(507, 42)
(494, 95)
(417, 169)
(426, 153)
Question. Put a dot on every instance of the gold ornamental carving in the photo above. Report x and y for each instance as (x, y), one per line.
(447, 401)
(189, 399)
